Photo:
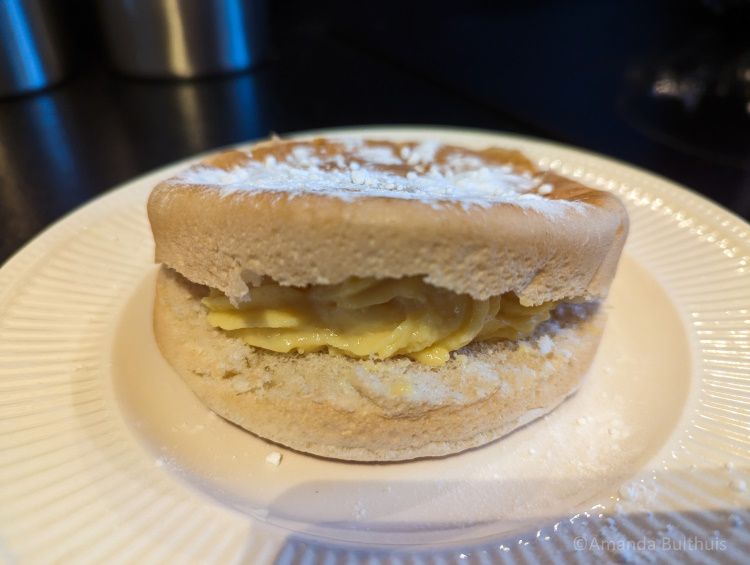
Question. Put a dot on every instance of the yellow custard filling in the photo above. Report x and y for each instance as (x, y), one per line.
(372, 318)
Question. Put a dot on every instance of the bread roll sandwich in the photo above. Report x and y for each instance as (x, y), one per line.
(379, 301)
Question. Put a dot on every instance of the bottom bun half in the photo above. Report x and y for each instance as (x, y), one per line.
(368, 410)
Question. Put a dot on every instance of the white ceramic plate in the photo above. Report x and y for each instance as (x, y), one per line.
(106, 456)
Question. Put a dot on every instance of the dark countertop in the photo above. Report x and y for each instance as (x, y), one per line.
(663, 85)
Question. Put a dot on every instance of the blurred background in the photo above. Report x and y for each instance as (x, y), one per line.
(95, 92)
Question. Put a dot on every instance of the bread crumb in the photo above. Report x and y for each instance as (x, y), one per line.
(524, 348)
(545, 345)
(274, 458)
(545, 189)
(240, 384)
(738, 485)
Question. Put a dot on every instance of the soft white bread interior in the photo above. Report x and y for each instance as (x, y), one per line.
(397, 409)
(561, 240)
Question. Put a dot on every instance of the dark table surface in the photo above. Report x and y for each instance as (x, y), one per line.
(664, 85)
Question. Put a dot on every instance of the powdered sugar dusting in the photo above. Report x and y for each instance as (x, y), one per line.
(378, 155)
(384, 171)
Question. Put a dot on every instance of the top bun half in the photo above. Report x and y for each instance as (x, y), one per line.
(480, 222)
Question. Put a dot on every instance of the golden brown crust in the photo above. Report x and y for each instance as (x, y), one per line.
(225, 241)
(371, 410)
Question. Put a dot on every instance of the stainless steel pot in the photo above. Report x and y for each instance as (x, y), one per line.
(184, 38)
(31, 54)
